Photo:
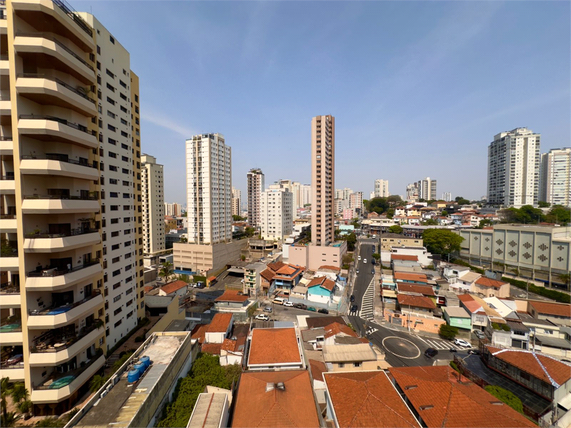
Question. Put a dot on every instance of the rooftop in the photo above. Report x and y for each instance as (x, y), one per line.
(208, 410)
(219, 323)
(410, 276)
(404, 257)
(426, 290)
(172, 287)
(317, 369)
(274, 346)
(336, 328)
(275, 399)
(314, 322)
(488, 282)
(416, 301)
(329, 268)
(367, 399)
(323, 282)
(551, 308)
(232, 296)
(456, 312)
(348, 353)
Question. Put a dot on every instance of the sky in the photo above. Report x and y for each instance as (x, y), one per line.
(417, 88)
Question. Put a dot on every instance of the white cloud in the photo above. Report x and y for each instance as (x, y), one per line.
(166, 123)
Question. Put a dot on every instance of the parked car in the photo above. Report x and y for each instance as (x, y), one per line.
(262, 317)
(352, 298)
(200, 284)
(354, 308)
(479, 334)
(462, 342)
(311, 308)
(357, 271)
(288, 304)
(323, 311)
(268, 309)
(430, 353)
(364, 260)
(300, 306)
(359, 257)
(453, 350)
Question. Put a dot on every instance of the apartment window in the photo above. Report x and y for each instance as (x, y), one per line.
(124, 158)
(110, 87)
(109, 73)
(111, 39)
(123, 121)
(114, 220)
(112, 168)
(111, 114)
(136, 98)
(117, 272)
(114, 207)
(115, 247)
(116, 286)
(116, 298)
(98, 65)
(111, 100)
(122, 83)
(99, 50)
(123, 96)
(123, 109)
(112, 141)
(111, 128)
(112, 155)
(136, 108)
(124, 146)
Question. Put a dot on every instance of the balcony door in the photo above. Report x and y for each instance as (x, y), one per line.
(60, 229)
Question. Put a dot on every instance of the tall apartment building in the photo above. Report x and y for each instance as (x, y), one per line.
(356, 202)
(412, 192)
(323, 179)
(447, 196)
(555, 183)
(255, 189)
(173, 209)
(277, 212)
(208, 189)
(71, 226)
(427, 189)
(236, 201)
(304, 195)
(153, 205)
(513, 168)
(382, 188)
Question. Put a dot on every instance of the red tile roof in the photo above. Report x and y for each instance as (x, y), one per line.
(406, 287)
(268, 274)
(274, 346)
(488, 282)
(317, 369)
(329, 267)
(415, 301)
(229, 345)
(171, 287)
(286, 270)
(538, 365)
(275, 266)
(211, 348)
(336, 328)
(294, 406)
(232, 296)
(550, 308)
(404, 257)
(419, 277)
(442, 401)
(323, 282)
(367, 399)
(465, 298)
(199, 332)
(220, 323)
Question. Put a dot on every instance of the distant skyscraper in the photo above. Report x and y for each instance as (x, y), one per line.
(304, 194)
(412, 193)
(427, 189)
(323, 179)
(236, 201)
(513, 168)
(255, 189)
(382, 188)
(209, 189)
(556, 177)
(356, 202)
(447, 196)
(173, 209)
(153, 205)
(277, 212)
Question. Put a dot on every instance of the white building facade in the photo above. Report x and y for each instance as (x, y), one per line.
(427, 189)
(277, 213)
(556, 177)
(208, 189)
(236, 201)
(382, 188)
(152, 185)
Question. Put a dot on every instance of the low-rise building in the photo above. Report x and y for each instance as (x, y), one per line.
(320, 290)
(211, 410)
(488, 287)
(219, 328)
(412, 303)
(274, 348)
(175, 288)
(457, 317)
(234, 302)
(351, 357)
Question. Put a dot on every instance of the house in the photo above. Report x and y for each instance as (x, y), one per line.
(317, 368)
(440, 397)
(479, 317)
(408, 302)
(314, 337)
(352, 357)
(456, 316)
(178, 288)
(234, 302)
(320, 290)
(274, 348)
(365, 399)
(549, 310)
(547, 337)
(414, 278)
(335, 333)
(280, 277)
(408, 288)
(489, 287)
(392, 240)
(299, 291)
(232, 351)
(330, 272)
(219, 328)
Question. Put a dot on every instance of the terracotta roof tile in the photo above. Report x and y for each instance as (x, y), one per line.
(275, 266)
(550, 308)
(219, 323)
(232, 296)
(404, 257)
(488, 282)
(294, 406)
(229, 345)
(442, 401)
(410, 276)
(317, 369)
(329, 267)
(416, 301)
(274, 346)
(268, 274)
(323, 282)
(367, 399)
(171, 287)
(316, 322)
(286, 270)
(211, 348)
(336, 328)
(465, 298)
(199, 332)
(406, 287)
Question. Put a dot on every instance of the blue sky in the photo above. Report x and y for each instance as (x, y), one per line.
(417, 89)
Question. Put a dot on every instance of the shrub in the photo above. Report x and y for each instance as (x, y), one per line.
(506, 397)
(447, 331)
(454, 366)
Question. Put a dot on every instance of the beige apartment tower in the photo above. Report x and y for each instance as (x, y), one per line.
(322, 179)
(255, 190)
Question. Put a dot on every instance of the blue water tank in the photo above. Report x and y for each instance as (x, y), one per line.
(140, 367)
(133, 376)
(146, 361)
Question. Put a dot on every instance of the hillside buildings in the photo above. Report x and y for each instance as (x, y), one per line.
(152, 184)
(513, 168)
(556, 177)
(255, 189)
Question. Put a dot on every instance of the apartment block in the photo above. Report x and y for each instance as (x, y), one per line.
(513, 168)
(52, 301)
(255, 189)
(277, 213)
(381, 189)
(356, 202)
(174, 209)
(236, 201)
(412, 192)
(209, 189)
(427, 189)
(153, 205)
(555, 184)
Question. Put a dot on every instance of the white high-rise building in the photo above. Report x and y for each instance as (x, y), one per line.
(513, 168)
(173, 209)
(447, 197)
(427, 189)
(412, 193)
(255, 190)
(382, 188)
(208, 189)
(556, 177)
(152, 184)
(356, 202)
(236, 201)
(305, 194)
(277, 212)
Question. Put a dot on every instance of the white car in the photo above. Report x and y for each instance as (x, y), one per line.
(364, 260)
(359, 257)
(288, 304)
(462, 342)
(262, 317)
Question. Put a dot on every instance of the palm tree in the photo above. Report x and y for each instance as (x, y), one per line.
(166, 270)
(96, 383)
(5, 391)
(19, 393)
(9, 419)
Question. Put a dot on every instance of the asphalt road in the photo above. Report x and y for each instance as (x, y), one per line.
(363, 278)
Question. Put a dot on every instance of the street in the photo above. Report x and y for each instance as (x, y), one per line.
(363, 279)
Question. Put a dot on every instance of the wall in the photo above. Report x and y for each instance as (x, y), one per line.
(297, 255)
(173, 313)
(320, 256)
(318, 294)
(205, 258)
(350, 367)
(418, 322)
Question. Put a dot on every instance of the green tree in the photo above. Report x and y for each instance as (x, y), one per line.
(442, 241)
(395, 229)
(5, 390)
(485, 223)
(97, 382)
(237, 218)
(51, 422)
(377, 205)
(18, 392)
(444, 213)
(6, 249)
(9, 419)
(447, 331)
(430, 222)
(185, 278)
(394, 200)
(376, 256)
(565, 278)
(461, 200)
(166, 270)
(351, 241)
(250, 231)
(506, 397)
(183, 240)
(559, 214)
(526, 215)
(543, 204)
(355, 223)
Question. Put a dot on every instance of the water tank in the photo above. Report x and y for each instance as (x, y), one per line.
(140, 367)
(146, 361)
(133, 376)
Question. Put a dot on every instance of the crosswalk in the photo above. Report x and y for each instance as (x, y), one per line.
(440, 344)
(367, 304)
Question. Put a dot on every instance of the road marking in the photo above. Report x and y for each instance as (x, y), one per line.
(404, 340)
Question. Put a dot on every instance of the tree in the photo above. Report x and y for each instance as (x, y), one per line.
(543, 204)
(183, 240)
(237, 218)
(97, 382)
(442, 241)
(185, 278)
(395, 229)
(18, 392)
(377, 205)
(430, 222)
(485, 223)
(394, 200)
(444, 213)
(526, 214)
(559, 214)
(376, 256)
(166, 270)
(565, 278)
(447, 331)
(461, 201)
(250, 231)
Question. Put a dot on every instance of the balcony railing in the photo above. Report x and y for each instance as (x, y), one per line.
(51, 272)
(60, 380)
(11, 324)
(59, 120)
(69, 11)
(72, 232)
(56, 310)
(49, 36)
(7, 216)
(92, 196)
(9, 288)
(5, 138)
(52, 341)
(59, 81)
(61, 158)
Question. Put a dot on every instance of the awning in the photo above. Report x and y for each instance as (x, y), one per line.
(212, 279)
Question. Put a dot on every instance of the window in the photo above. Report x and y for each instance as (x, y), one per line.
(116, 298)
(111, 128)
(111, 39)
(110, 87)
(122, 83)
(111, 100)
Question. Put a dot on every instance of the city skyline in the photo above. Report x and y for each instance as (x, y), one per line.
(399, 77)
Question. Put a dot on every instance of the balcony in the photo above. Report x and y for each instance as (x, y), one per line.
(11, 331)
(10, 295)
(61, 204)
(55, 317)
(50, 128)
(55, 279)
(13, 371)
(8, 223)
(60, 386)
(55, 92)
(52, 349)
(7, 184)
(5, 108)
(6, 146)
(9, 260)
(48, 243)
(4, 64)
(56, 54)
(59, 164)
